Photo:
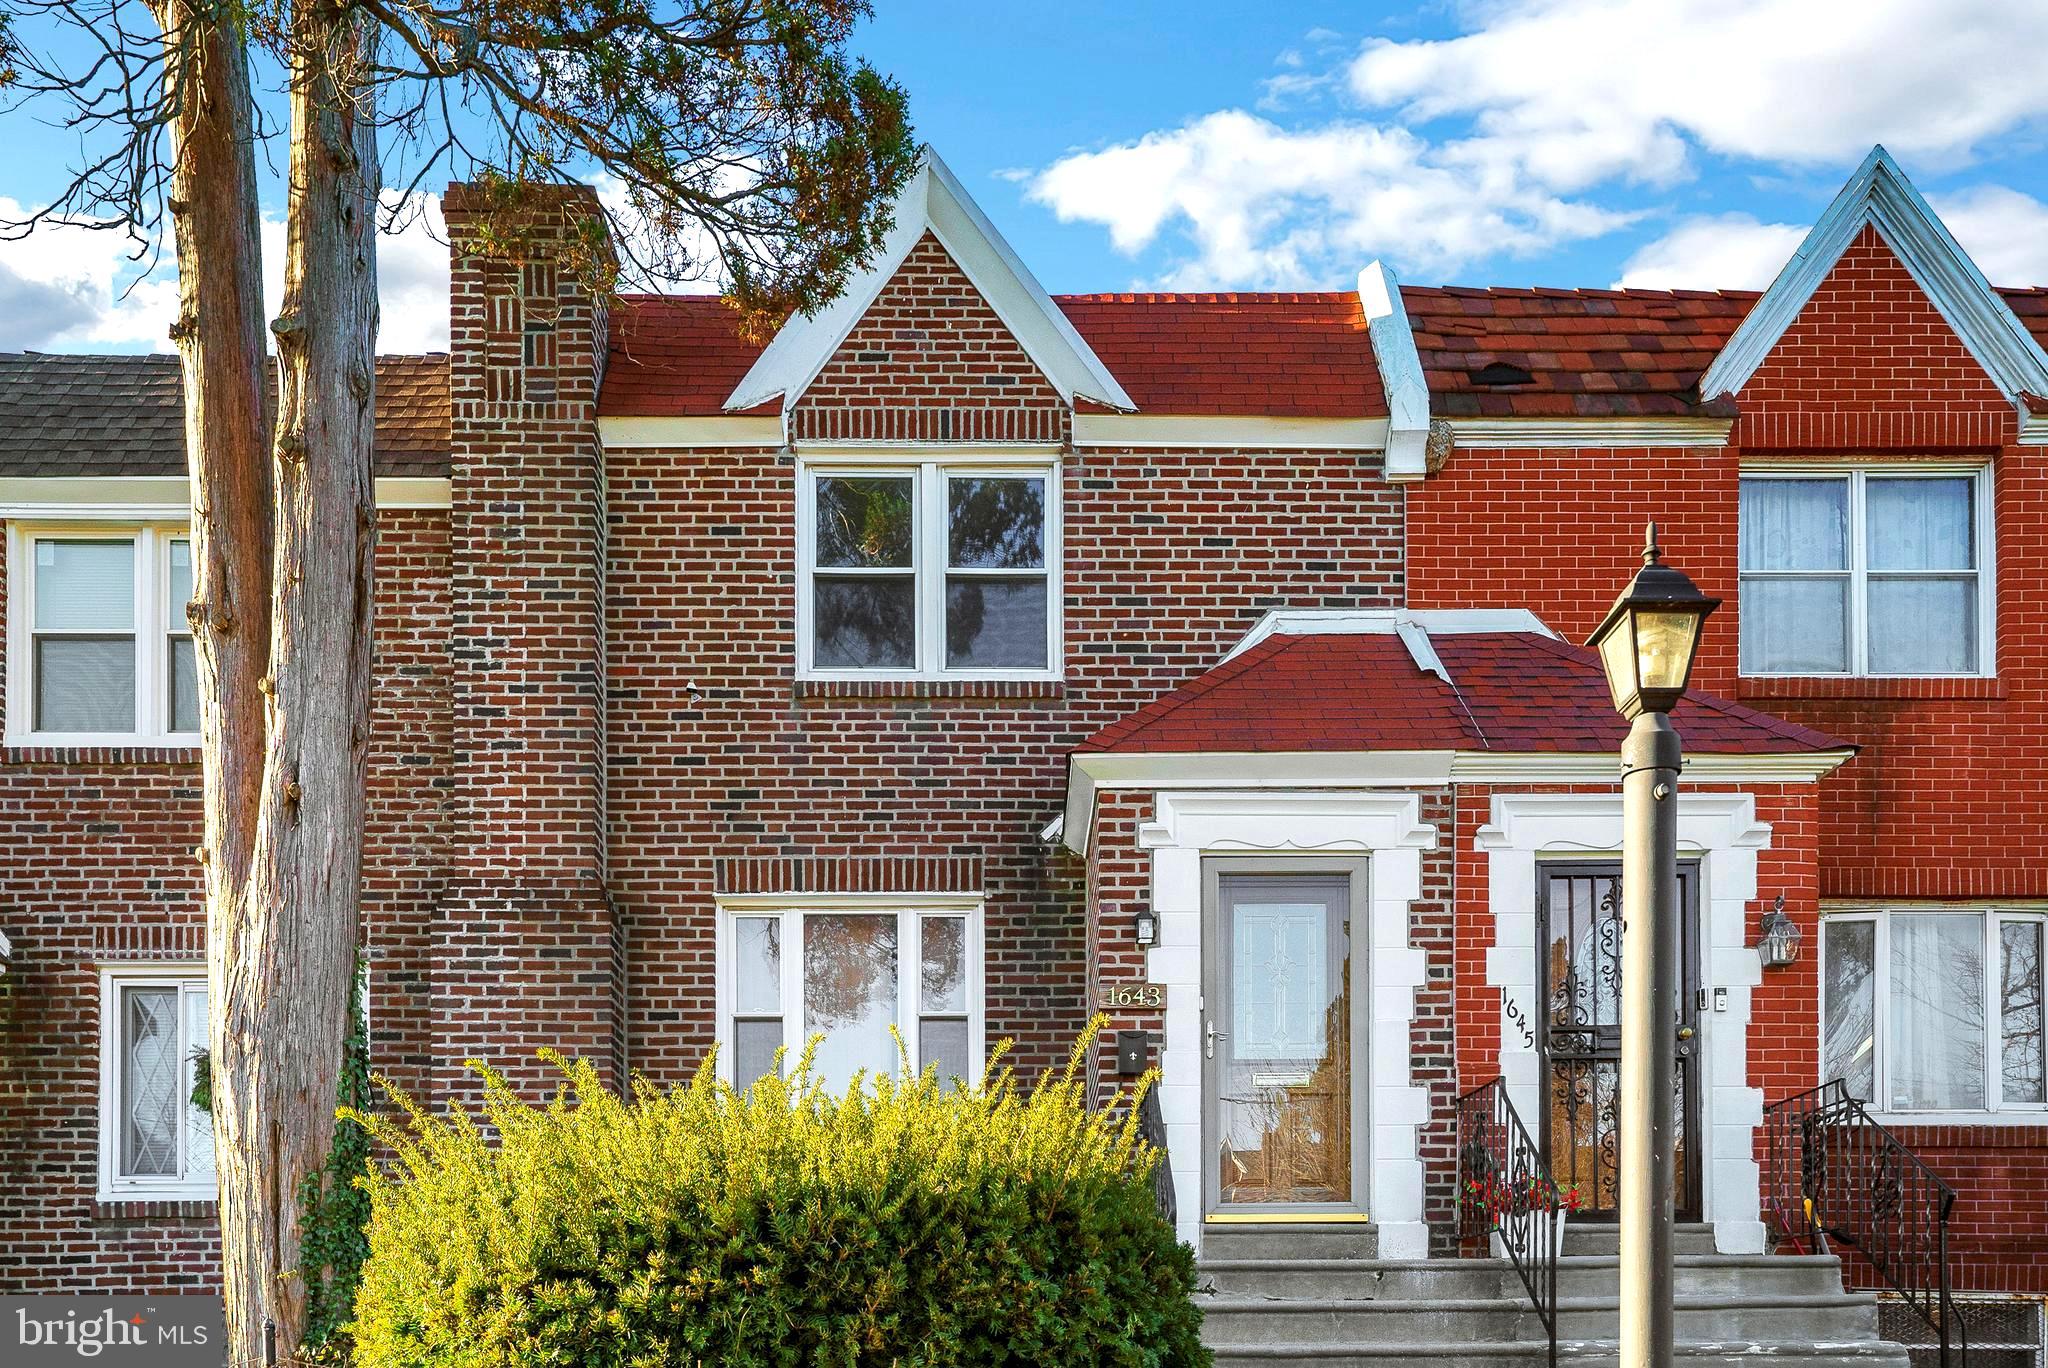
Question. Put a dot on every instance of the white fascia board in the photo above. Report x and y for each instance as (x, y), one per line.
(1523, 433)
(1208, 432)
(1090, 773)
(1400, 367)
(723, 430)
(1879, 194)
(147, 498)
(2034, 430)
(935, 201)
(1382, 621)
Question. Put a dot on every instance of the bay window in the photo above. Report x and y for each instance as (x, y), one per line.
(1879, 571)
(99, 650)
(928, 570)
(850, 972)
(153, 1141)
(1935, 1010)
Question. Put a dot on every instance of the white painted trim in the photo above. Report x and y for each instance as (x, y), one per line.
(6, 951)
(1388, 621)
(1723, 830)
(1093, 772)
(2034, 429)
(908, 908)
(111, 1186)
(1525, 433)
(144, 498)
(725, 430)
(911, 453)
(1203, 432)
(151, 629)
(1386, 828)
(1401, 377)
(929, 474)
(1879, 194)
(935, 201)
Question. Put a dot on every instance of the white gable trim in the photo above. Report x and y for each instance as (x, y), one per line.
(1880, 195)
(1382, 621)
(937, 203)
(1400, 366)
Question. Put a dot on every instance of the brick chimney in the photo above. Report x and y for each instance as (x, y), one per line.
(526, 944)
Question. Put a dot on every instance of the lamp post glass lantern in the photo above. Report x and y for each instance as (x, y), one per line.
(1647, 643)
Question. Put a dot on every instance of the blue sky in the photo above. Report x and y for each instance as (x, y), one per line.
(1280, 145)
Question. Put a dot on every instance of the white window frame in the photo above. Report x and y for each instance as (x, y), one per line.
(1858, 572)
(153, 629)
(1990, 918)
(909, 910)
(930, 552)
(113, 1185)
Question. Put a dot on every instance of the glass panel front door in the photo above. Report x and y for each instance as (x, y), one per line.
(1278, 1041)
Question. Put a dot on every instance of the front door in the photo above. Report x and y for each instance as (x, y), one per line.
(1580, 931)
(1280, 1037)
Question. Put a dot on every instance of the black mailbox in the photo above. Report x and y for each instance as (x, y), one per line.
(1133, 1053)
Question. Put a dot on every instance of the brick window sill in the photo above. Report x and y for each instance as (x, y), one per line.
(930, 688)
(2000, 1131)
(154, 1209)
(158, 756)
(1895, 688)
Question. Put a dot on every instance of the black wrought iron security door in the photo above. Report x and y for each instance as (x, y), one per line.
(1579, 939)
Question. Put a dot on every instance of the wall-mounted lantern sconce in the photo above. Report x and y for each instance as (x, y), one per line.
(1778, 937)
(1145, 927)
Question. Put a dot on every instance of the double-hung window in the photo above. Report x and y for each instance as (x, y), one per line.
(1936, 1009)
(931, 570)
(99, 649)
(849, 972)
(1878, 571)
(154, 1143)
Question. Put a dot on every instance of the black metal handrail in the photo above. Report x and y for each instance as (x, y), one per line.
(1504, 1189)
(1833, 1176)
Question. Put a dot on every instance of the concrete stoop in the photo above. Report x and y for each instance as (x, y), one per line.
(1320, 1295)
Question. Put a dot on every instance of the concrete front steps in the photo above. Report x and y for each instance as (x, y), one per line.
(1320, 1295)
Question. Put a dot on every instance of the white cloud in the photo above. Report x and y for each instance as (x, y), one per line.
(2004, 231)
(70, 288)
(1573, 92)
(1717, 252)
(1270, 207)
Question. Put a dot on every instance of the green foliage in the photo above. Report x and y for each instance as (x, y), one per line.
(334, 1208)
(901, 1223)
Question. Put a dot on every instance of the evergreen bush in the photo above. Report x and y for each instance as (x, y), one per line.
(902, 1222)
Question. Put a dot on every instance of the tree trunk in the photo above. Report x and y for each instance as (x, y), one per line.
(286, 946)
(219, 331)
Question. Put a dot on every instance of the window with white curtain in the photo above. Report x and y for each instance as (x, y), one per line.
(153, 1141)
(1935, 1009)
(99, 649)
(929, 570)
(849, 973)
(1877, 571)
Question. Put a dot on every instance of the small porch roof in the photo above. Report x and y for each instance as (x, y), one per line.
(1419, 698)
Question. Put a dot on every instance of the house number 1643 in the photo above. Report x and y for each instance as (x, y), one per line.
(1133, 995)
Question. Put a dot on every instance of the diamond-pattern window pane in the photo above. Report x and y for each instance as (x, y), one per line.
(150, 1074)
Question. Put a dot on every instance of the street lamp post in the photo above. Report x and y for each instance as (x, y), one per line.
(1646, 645)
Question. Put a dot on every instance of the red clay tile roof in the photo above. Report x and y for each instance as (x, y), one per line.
(1515, 692)
(1292, 355)
(124, 415)
(674, 356)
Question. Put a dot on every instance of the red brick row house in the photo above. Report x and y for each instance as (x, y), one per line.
(967, 660)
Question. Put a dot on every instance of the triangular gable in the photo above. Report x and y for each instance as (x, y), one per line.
(935, 202)
(1880, 197)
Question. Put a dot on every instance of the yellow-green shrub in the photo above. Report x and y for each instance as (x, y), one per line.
(901, 1223)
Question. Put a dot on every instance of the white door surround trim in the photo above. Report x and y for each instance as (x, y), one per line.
(1722, 830)
(1388, 829)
